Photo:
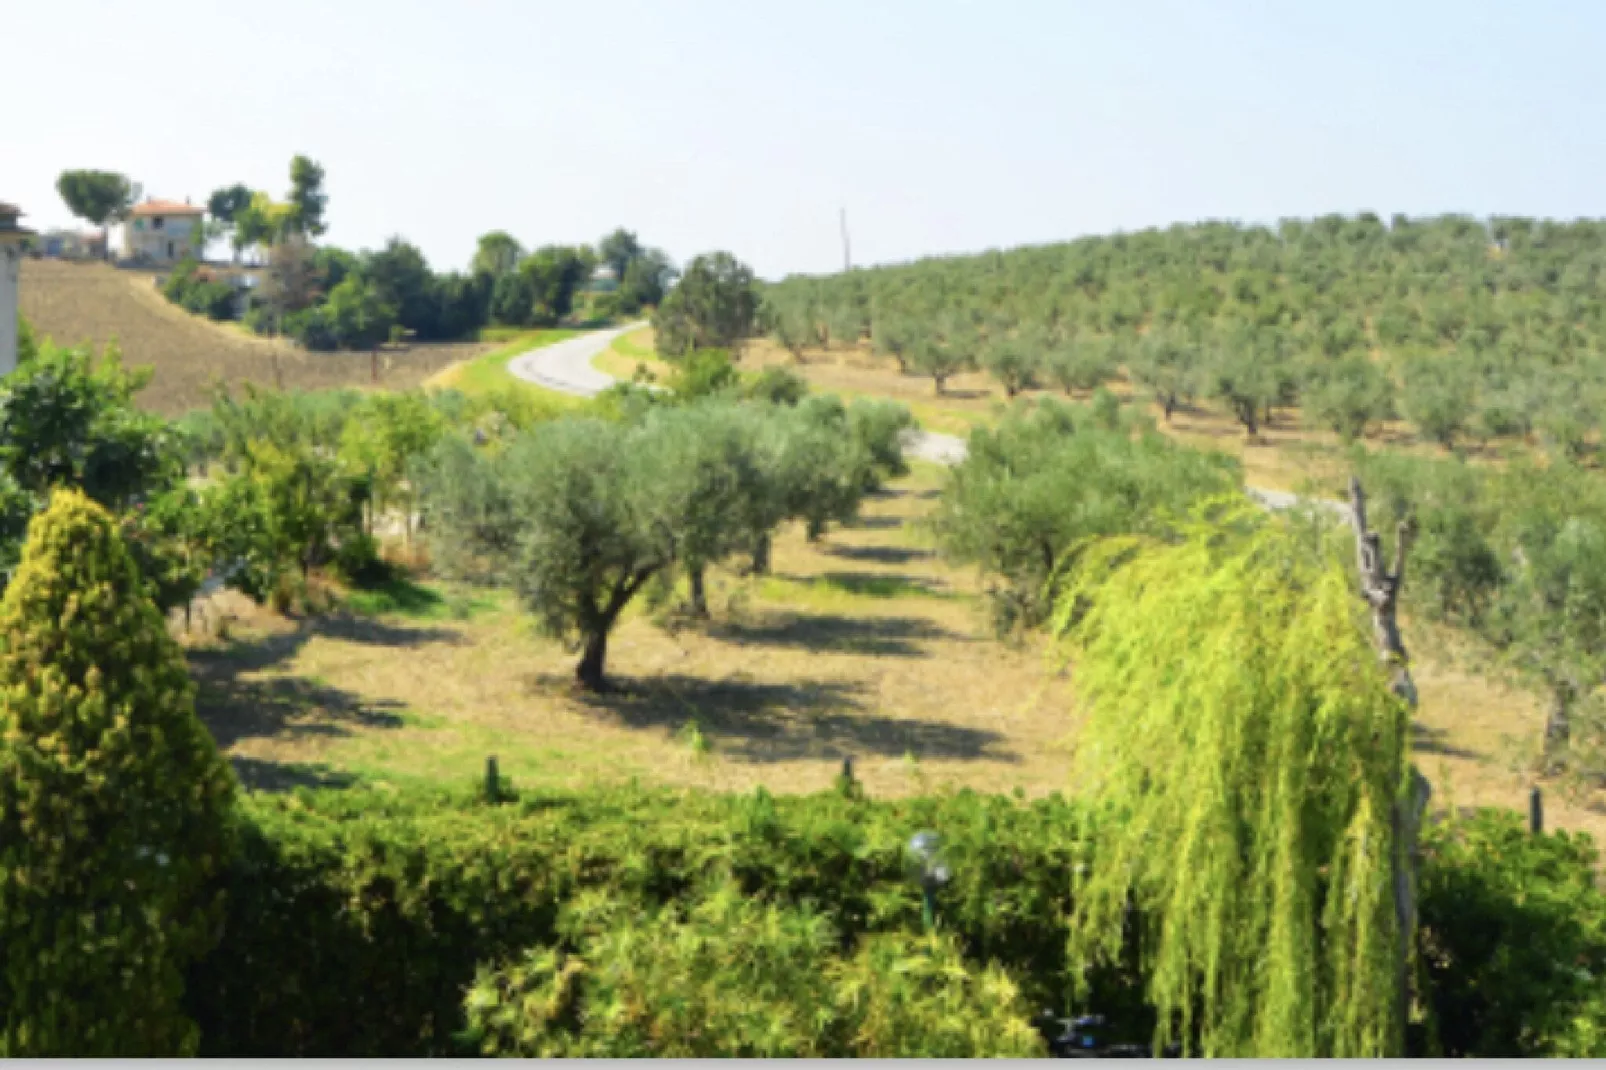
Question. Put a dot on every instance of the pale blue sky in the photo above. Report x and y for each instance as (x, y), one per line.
(941, 125)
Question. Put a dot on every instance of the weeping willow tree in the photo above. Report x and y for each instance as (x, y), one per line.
(1248, 756)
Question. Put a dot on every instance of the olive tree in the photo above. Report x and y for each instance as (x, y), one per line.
(1015, 361)
(1047, 478)
(1167, 364)
(1438, 399)
(563, 516)
(1081, 363)
(1348, 395)
(945, 352)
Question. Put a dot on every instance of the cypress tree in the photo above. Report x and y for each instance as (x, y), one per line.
(113, 802)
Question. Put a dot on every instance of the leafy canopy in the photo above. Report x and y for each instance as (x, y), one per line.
(1244, 751)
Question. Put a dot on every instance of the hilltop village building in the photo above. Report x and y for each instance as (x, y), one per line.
(162, 232)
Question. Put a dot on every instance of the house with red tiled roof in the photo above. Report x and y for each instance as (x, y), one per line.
(162, 232)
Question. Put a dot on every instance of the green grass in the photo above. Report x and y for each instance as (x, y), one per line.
(404, 598)
(489, 373)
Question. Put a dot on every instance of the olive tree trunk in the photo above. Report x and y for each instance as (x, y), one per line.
(699, 594)
(590, 670)
(1380, 589)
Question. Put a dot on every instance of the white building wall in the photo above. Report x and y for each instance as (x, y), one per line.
(148, 242)
(10, 275)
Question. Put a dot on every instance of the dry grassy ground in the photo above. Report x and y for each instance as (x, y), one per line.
(866, 644)
(94, 303)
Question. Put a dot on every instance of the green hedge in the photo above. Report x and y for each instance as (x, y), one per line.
(359, 921)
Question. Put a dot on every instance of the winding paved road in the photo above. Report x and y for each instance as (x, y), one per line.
(566, 367)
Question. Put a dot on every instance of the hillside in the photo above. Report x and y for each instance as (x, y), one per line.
(94, 303)
(1447, 332)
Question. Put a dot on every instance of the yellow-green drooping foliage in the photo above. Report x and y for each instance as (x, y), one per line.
(732, 976)
(113, 802)
(1244, 748)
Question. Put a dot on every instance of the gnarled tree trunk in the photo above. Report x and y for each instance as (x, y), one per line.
(589, 671)
(1380, 589)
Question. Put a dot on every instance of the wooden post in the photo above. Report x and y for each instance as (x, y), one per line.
(1536, 811)
(492, 781)
(1380, 589)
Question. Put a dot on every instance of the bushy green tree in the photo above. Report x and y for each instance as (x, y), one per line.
(645, 281)
(703, 373)
(97, 197)
(1245, 372)
(561, 516)
(114, 803)
(714, 305)
(497, 254)
(943, 353)
(286, 510)
(791, 327)
(703, 465)
(555, 274)
(384, 437)
(1048, 478)
(1168, 365)
(777, 386)
(1438, 399)
(1015, 361)
(1348, 396)
(357, 315)
(513, 300)
(1081, 363)
(307, 200)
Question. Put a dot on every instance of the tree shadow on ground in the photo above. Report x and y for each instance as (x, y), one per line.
(1426, 739)
(255, 774)
(881, 637)
(881, 555)
(236, 705)
(877, 523)
(873, 584)
(262, 652)
(285, 708)
(761, 722)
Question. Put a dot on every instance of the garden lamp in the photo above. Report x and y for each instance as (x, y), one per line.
(931, 870)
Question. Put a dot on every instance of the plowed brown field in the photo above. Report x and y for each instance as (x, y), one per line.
(94, 303)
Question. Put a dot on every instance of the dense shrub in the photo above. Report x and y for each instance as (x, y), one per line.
(729, 976)
(113, 803)
(189, 287)
(332, 893)
(1513, 939)
(358, 920)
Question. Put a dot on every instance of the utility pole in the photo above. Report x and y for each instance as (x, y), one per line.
(847, 261)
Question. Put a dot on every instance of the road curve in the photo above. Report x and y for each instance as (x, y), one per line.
(566, 367)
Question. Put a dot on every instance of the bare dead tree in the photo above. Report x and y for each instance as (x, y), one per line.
(1380, 589)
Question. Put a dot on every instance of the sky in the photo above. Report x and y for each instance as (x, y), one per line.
(939, 126)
